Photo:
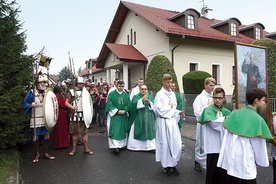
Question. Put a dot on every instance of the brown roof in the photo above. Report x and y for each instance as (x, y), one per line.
(126, 52)
(159, 18)
(94, 70)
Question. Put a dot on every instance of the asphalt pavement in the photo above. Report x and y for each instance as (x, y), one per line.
(103, 167)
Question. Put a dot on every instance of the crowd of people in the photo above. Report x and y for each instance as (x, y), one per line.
(229, 145)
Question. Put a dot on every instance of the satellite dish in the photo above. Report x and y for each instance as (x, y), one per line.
(205, 10)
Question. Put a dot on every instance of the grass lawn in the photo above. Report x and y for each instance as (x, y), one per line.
(8, 163)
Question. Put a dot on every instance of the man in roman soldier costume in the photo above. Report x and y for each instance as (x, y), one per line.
(77, 124)
(33, 104)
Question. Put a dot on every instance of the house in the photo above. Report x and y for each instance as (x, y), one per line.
(190, 40)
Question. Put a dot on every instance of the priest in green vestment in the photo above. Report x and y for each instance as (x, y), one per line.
(117, 111)
(142, 122)
(179, 103)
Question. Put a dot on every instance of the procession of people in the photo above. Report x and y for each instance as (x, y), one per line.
(138, 121)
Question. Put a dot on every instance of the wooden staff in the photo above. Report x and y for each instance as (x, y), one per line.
(71, 63)
(270, 125)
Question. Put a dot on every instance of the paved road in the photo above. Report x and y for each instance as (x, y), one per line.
(105, 168)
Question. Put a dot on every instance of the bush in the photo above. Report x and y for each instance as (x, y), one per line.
(193, 83)
(159, 66)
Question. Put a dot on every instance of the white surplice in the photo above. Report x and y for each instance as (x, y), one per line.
(168, 137)
(199, 104)
(239, 155)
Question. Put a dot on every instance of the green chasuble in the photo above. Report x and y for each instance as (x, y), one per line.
(211, 113)
(118, 122)
(248, 123)
(144, 119)
(179, 107)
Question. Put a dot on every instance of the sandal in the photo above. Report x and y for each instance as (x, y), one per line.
(73, 152)
(36, 158)
(49, 157)
(88, 152)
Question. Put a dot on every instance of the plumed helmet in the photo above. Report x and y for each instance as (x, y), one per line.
(80, 80)
(40, 78)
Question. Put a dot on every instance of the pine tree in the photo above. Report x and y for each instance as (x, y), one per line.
(64, 74)
(15, 73)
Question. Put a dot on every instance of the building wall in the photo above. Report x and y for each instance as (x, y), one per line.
(151, 42)
(206, 54)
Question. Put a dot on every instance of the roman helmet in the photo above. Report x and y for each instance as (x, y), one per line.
(41, 81)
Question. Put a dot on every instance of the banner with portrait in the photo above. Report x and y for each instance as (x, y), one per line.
(251, 70)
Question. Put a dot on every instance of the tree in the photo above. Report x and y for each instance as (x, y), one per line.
(64, 74)
(159, 66)
(271, 65)
(15, 74)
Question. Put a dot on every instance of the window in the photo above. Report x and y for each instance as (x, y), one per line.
(233, 29)
(191, 22)
(131, 36)
(216, 73)
(193, 67)
(134, 41)
(258, 33)
(128, 39)
(233, 75)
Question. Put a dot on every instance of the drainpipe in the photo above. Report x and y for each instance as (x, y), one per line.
(183, 37)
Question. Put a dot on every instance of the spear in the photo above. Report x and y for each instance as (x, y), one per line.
(71, 63)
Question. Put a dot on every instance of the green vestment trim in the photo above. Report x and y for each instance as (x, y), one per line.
(179, 107)
(210, 113)
(248, 123)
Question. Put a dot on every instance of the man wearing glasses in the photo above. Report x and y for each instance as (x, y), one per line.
(212, 117)
(142, 131)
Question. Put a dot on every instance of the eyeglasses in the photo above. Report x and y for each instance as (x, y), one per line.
(218, 98)
(143, 88)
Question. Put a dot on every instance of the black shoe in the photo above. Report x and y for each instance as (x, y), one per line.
(116, 151)
(197, 166)
(104, 125)
(167, 171)
(174, 171)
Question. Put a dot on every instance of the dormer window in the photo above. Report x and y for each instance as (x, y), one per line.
(187, 19)
(191, 22)
(233, 29)
(254, 31)
(258, 33)
(229, 26)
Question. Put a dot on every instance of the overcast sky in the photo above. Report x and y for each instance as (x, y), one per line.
(81, 26)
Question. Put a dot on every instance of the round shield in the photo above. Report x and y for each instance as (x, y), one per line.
(87, 107)
(50, 109)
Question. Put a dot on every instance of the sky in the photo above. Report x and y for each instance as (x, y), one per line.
(80, 27)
